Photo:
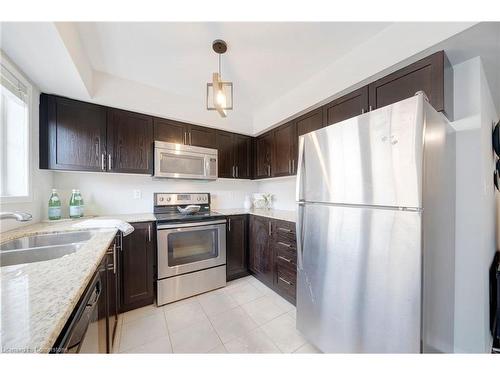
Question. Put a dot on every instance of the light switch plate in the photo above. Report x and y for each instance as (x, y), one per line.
(137, 194)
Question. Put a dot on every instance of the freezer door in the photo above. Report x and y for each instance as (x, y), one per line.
(372, 159)
(359, 279)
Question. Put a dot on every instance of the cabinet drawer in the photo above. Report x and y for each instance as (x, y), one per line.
(286, 279)
(286, 255)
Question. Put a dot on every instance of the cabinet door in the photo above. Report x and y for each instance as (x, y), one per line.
(201, 136)
(242, 156)
(130, 142)
(430, 75)
(225, 157)
(263, 155)
(136, 267)
(72, 134)
(261, 260)
(169, 131)
(350, 105)
(237, 246)
(309, 122)
(284, 157)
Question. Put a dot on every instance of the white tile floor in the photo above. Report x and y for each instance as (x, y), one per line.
(244, 317)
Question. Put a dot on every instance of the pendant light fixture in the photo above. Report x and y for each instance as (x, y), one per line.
(219, 92)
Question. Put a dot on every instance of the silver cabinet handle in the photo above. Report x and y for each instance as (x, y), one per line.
(237, 173)
(232, 172)
(110, 163)
(185, 138)
(190, 138)
(289, 166)
(293, 165)
(269, 170)
(285, 281)
(229, 224)
(149, 232)
(269, 229)
(285, 230)
(370, 108)
(285, 244)
(362, 110)
(285, 259)
(103, 163)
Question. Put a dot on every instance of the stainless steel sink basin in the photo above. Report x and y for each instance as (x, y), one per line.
(42, 247)
(51, 239)
(37, 254)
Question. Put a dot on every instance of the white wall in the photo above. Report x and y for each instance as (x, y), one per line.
(109, 193)
(283, 190)
(475, 206)
(41, 180)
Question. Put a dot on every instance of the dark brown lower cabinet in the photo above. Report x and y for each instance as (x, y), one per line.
(237, 246)
(273, 254)
(261, 259)
(136, 266)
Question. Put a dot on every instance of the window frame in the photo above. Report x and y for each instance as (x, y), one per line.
(28, 198)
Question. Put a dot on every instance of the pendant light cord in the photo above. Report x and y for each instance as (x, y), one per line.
(219, 67)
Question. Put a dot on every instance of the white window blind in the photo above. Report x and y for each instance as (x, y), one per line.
(14, 135)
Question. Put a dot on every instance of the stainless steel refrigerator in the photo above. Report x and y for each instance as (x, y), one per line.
(376, 232)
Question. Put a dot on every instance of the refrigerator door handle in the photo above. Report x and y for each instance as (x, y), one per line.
(300, 223)
(300, 170)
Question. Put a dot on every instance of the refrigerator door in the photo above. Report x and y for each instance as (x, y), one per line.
(359, 279)
(373, 159)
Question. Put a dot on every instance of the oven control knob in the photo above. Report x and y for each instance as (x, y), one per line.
(161, 199)
(199, 199)
(168, 199)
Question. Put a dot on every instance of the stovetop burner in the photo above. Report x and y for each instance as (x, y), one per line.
(165, 207)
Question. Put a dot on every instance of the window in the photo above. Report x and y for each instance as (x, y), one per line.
(14, 135)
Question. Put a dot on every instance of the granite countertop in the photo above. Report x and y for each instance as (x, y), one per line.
(285, 215)
(38, 298)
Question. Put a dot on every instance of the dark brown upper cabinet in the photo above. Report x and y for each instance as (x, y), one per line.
(183, 133)
(242, 156)
(234, 155)
(136, 267)
(347, 106)
(72, 134)
(201, 136)
(169, 131)
(432, 75)
(309, 122)
(285, 150)
(225, 154)
(130, 142)
(237, 246)
(264, 145)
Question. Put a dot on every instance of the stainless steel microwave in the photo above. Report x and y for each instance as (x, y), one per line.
(173, 160)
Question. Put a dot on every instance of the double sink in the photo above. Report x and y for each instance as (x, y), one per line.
(42, 247)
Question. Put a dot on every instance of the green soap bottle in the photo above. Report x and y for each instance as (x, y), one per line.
(74, 205)
(54, 206)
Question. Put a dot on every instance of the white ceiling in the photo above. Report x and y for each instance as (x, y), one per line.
(264, 60)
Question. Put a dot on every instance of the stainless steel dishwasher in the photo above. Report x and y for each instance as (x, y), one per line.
(85, 331)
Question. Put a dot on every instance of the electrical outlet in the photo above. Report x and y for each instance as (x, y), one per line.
(137, 194)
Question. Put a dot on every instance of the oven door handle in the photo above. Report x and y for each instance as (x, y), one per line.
(188, 225)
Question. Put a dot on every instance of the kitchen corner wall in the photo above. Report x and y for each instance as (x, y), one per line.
(283, 190)
(108, 193)
(476, 206)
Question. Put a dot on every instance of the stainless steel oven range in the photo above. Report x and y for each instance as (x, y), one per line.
(191, 247)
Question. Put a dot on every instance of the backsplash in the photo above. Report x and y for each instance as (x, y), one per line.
(105, 193)
(283, 190)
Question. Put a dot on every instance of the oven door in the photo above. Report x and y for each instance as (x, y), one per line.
(184, 248)
(184, 164)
